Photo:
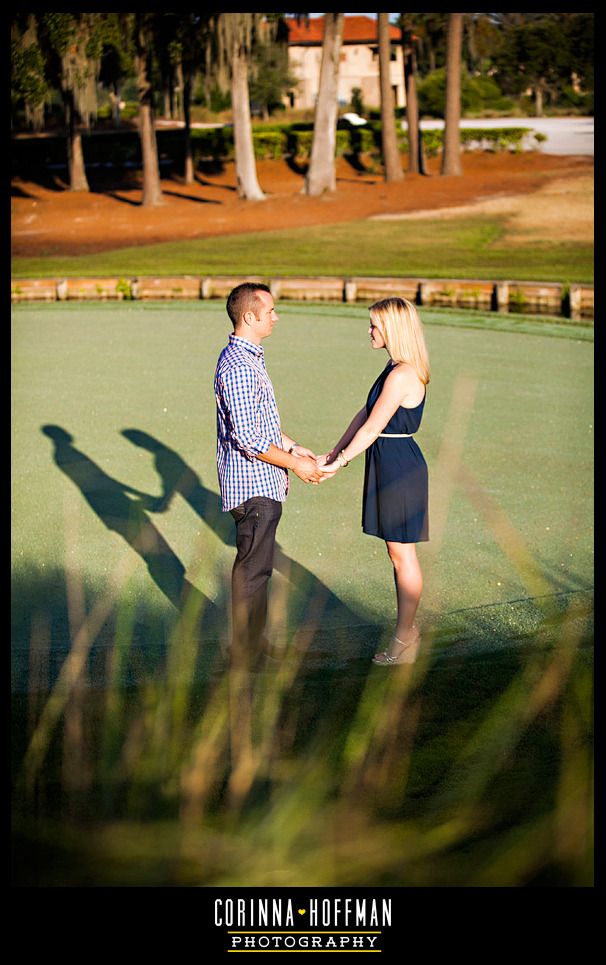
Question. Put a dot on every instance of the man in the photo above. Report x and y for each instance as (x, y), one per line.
(253, 459)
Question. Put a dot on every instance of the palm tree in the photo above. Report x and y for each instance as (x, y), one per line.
(143, 37)
(236, 35)
(391, 156)
(321, 174)
(451, 158)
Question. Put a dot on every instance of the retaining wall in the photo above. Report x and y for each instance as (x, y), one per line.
(539, 298)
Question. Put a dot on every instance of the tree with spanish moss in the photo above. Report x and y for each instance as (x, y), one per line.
(142, 32)
(72, 44)
(29, 86)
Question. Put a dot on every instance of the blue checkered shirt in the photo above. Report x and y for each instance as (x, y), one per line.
(247, 424)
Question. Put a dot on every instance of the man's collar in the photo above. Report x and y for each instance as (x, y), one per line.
(244, 343)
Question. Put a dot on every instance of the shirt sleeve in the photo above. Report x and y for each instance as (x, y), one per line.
(240, 393)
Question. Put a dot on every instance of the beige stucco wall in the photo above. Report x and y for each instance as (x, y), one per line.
(357, 68)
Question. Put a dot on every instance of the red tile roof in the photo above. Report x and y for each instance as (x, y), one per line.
(355, 30)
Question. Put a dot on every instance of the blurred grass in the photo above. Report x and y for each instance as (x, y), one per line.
(472, 767)
(465, 247)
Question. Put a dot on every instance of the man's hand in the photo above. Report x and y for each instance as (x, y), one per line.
(306, 469)
(302, 451)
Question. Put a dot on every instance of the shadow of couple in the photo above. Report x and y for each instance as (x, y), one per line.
(125, 510)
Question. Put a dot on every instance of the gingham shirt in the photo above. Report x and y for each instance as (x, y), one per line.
(247, 424)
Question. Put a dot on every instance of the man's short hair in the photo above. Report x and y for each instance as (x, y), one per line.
(243, 298)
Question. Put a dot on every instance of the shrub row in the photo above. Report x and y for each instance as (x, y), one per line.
(122, 148)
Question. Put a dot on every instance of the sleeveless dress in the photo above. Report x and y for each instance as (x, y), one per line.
(395, 500)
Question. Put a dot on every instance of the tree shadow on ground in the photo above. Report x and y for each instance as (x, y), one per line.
(299, 167)
(190, 197)
(355, 161)
(211, 184)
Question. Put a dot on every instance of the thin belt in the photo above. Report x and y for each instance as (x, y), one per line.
(395, 435)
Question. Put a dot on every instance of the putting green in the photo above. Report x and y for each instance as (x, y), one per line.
(507, 434)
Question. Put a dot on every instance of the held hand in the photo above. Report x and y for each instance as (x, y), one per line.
(307, 470)
(330, 469)
(302, 451)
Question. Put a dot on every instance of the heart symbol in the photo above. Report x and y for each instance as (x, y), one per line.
(301, 911)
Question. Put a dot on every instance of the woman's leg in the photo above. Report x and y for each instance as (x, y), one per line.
(409, 584)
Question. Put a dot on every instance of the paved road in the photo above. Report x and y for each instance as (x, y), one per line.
(565, 135)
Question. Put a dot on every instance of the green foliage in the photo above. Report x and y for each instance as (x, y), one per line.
(477, 94)
(270, 76)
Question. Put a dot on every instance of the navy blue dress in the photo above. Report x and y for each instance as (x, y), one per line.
(395, 501)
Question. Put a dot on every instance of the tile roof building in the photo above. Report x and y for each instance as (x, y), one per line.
(359, 65)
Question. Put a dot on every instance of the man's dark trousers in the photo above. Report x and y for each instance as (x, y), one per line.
(256, 523)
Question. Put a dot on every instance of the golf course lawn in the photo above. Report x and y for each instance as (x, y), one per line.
(96, 370)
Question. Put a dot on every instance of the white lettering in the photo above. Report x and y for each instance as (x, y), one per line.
(316, 942)
(235, 940)
(289, 941)
(387, 911)
(330, 943)
(313, 912)
(358, 942)
(360, 911)
(249, 942)
(326, 911)
(371, 940)
(344, 941)
(264, 941)
(347, 910)
(303, 942)
(218, 919)
(373, 914)
(289, 914)
(337, 912)
(262, 908)
(229, 912)
(277, 912)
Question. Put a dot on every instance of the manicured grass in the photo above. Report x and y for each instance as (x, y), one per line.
(455, 773)
(440, 248)
(96, 370)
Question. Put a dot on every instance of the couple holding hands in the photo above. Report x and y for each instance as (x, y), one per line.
(254, 456)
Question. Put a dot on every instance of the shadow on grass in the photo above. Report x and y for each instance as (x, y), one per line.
(447, 772)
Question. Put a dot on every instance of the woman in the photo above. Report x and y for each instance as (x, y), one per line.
(395, 480)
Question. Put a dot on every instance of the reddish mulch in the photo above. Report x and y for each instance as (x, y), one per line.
(51, 220)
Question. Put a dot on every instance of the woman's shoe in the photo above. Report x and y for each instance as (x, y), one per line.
(404, 651)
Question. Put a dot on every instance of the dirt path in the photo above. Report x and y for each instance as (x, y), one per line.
(49, 220)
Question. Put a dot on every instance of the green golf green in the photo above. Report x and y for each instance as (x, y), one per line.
(96, 371)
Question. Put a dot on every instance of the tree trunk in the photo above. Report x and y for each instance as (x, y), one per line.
(392, 161)
(451, 157)
(538, 100)
(321, 174)
(152, 192)
(412, 107)
(246, 168)
(75, 157)
(188, 174)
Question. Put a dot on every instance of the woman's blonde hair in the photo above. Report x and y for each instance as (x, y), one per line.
(401, 327)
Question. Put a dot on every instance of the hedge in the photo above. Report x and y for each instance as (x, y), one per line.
(123, 149)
